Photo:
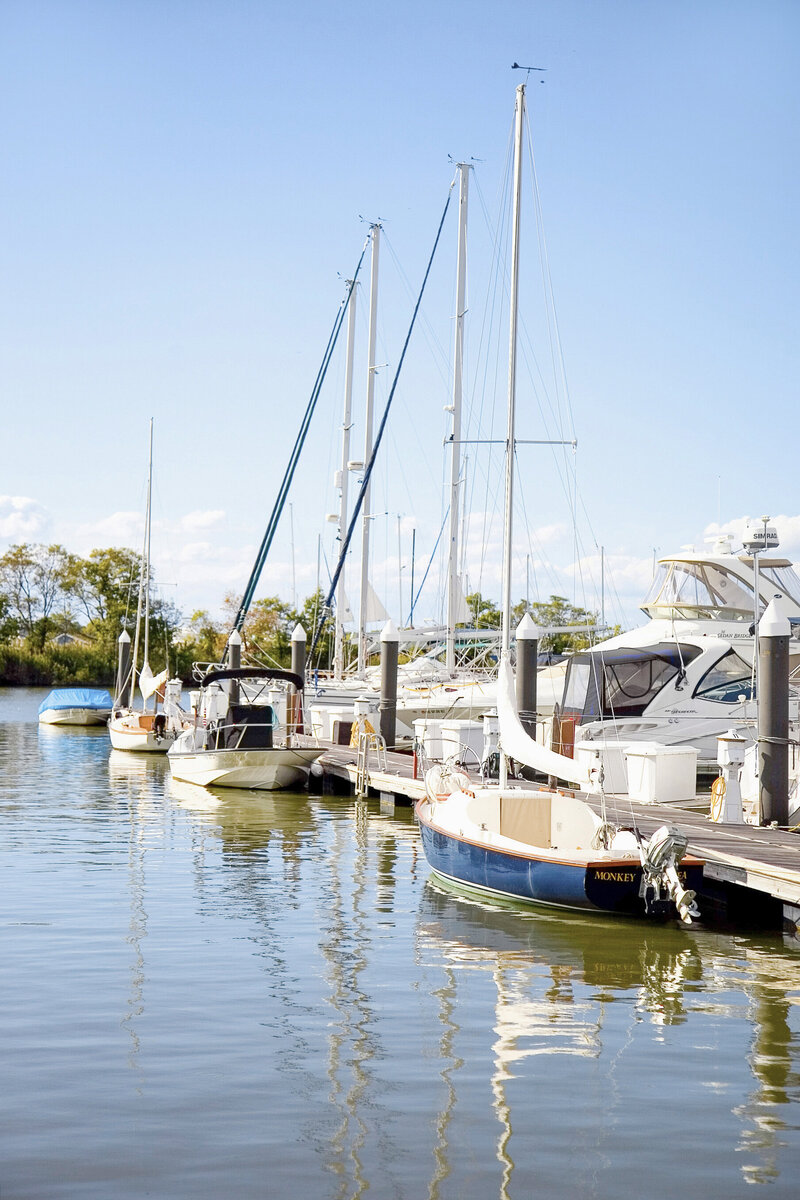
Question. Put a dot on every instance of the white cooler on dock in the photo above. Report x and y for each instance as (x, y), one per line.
(661, 774)
(464, 741)
(611, 756)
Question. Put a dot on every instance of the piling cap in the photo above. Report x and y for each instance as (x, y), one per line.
(298, 633)
(389, 632)
(774, 623)
(124, 636)
(235, 639)
(528, 630)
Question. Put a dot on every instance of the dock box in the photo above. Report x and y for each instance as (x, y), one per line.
(463, 740)
(609, 755)
(661, 774)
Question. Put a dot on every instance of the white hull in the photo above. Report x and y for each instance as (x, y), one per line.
(269, 769)
(74, 716)
(129, 733)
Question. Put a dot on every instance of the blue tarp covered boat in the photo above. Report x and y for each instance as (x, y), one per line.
(75, 706)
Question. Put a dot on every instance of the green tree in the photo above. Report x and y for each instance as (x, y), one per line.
(104, 590)
(485, 613)
(32, 578)
(554, 614)
(309, 617)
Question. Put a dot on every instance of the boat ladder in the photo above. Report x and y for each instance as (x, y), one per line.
(368, 741)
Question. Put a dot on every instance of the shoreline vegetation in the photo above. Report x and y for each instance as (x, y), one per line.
(61, 617)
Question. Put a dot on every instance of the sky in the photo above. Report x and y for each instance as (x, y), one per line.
(188, 184)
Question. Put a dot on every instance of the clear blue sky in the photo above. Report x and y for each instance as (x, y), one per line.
(182, 193)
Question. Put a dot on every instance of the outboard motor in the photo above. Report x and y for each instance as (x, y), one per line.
(660, 856)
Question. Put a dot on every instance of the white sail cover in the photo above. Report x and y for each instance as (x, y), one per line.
(149, 683)
(519, 745)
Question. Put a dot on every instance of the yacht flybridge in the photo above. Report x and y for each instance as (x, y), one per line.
(689, 674)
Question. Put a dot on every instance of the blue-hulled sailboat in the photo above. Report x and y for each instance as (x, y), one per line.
(539, 845)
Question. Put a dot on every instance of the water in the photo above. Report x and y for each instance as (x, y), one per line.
(247, 995)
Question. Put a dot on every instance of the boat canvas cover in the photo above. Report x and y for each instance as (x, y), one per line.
(62, 698)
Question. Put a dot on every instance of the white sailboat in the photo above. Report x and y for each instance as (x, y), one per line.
(536, 845)
(140, 729)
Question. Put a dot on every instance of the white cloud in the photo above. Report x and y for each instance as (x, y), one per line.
(199, 520)
(118, 529)
(22, 519)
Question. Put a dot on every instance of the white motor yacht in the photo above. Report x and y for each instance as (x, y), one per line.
(687, 675)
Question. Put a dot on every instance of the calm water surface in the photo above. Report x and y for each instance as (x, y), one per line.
(243, 995)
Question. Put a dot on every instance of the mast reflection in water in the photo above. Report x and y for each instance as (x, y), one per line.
(264, 995)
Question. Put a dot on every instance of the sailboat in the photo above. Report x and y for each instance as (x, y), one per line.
(129, 727)
(538, 845)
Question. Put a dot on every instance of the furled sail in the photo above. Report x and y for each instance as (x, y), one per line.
(149, 683)
(516, 743)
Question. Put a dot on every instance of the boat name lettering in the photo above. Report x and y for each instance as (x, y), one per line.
(608, 876)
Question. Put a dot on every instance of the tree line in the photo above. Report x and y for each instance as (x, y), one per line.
(61, 616)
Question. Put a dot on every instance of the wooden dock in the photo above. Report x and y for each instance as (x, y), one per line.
(751, 876)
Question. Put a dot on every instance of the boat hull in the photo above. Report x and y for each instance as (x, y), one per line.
(269, 769)
(127, 733)
(74, 716)
(607, 886)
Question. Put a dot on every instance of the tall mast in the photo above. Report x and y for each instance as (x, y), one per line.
(144, 580)
(373, 312)
(512, 394)
(338, 654)
(512, 371)
(455, 450)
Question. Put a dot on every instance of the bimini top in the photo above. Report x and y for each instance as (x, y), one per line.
(60, 698)
(252, 673)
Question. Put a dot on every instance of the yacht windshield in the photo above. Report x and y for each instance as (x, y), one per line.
(704, 590)
(727, 681)
(786, 578)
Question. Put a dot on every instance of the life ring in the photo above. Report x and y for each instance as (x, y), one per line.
(717, 799)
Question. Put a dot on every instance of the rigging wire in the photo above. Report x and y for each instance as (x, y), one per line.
(380, 432)
(283, 491)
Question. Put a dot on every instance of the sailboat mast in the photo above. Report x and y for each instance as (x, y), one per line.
(338, 653)
(512, 370)
(366, 518)
(453, 596)
(144, 580)
(512, 395)
(147, 522)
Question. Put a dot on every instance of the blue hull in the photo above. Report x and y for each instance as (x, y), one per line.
(593, 886)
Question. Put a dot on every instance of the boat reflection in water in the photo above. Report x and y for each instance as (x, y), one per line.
(557, 980)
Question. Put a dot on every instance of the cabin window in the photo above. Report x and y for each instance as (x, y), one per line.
(630, 686)
(727, 680)
(577, 685)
